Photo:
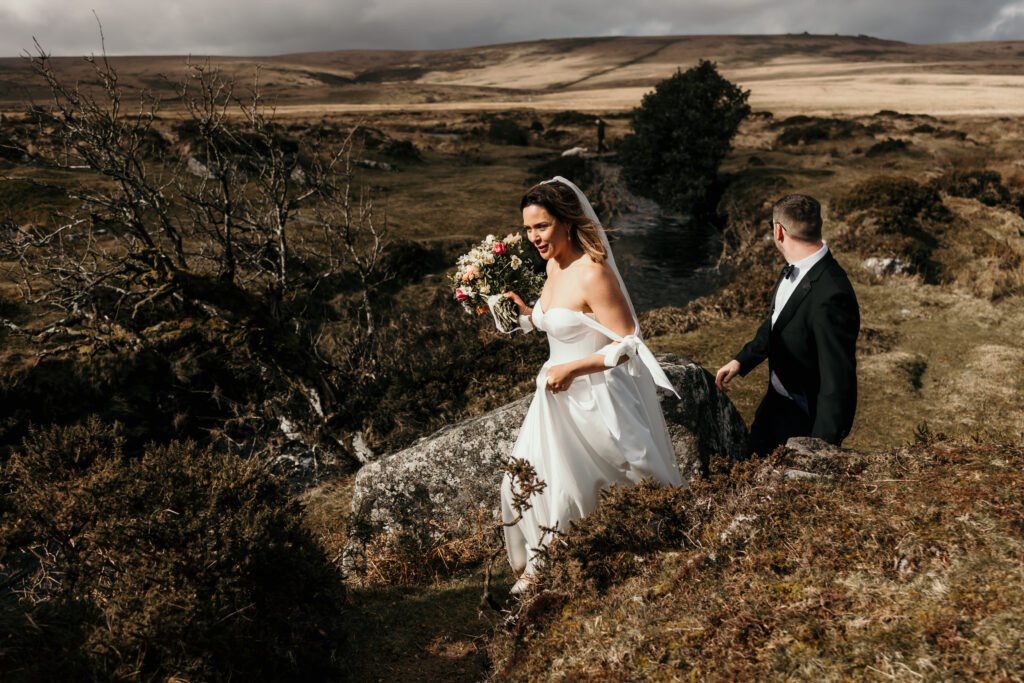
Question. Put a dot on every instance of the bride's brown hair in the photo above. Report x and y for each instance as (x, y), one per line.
(561, 201)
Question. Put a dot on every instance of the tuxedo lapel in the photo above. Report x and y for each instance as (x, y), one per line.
(800, 293)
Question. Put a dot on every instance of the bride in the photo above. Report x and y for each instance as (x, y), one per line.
(594, 419)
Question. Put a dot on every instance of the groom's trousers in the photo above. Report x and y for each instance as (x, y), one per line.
(777, 420)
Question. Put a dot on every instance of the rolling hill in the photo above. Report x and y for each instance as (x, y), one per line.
(803, 73)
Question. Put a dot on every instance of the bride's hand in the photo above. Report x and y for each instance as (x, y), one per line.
(518, 301)
(560, 376)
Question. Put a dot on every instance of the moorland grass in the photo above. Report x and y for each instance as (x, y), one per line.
(902, 563)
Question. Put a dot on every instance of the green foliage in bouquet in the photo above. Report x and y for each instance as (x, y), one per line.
(490, 268)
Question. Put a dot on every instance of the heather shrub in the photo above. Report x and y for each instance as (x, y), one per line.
(894, 217)
(506, 131)
(985, 186)
(887, 146)
(402, 150)
(178, 562)
(806, 130)
(808, 565)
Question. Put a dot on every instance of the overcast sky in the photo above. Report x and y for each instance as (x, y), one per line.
(267, 27)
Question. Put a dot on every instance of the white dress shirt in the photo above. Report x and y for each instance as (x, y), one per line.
(786, 289)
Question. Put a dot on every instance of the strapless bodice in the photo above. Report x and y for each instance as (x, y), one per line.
(569, 337)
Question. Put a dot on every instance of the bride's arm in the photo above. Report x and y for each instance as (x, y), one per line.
(606, 300)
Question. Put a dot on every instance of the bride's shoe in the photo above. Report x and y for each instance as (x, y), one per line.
(524, 584)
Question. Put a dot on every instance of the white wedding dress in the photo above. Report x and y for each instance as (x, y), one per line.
(606, 428)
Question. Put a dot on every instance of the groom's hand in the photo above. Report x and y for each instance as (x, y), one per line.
(726, 373)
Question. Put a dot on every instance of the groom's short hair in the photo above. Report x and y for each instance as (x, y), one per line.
(800, 214)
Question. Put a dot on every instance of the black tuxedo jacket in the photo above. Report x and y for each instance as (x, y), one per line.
(812, 348)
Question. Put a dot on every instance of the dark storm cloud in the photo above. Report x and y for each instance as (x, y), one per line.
(264, 27)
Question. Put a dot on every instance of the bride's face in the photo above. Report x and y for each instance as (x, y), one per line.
(544, 231)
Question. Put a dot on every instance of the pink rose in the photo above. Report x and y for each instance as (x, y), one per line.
(499, 248)
(460, 295)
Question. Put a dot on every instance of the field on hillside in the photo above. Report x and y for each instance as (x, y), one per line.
(915, 153)
(785, 74)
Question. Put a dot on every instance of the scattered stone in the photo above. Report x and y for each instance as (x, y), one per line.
(886, 267)
(199, 169)
(791, 474)
(375, 165)
(362, 450)
(810, 457)
(741, 528)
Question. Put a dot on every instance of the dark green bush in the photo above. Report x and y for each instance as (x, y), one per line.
(402, 150)
(180, 562)
(505, 131)
(681, 132)
(438, 365)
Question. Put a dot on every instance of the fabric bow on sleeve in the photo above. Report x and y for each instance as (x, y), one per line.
(632, 346)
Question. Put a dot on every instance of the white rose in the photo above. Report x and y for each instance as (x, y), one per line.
(484, 288)
(491, 238)
(516, 262)
(489, 258)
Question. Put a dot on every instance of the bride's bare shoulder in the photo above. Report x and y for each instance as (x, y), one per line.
(597, 275)
(591, 270)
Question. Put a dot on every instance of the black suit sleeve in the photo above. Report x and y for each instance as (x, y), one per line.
(756, 350)
(835, 325)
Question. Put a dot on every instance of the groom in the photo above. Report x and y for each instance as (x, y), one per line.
(809, 339)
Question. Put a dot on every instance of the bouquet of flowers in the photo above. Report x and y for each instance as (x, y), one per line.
(491, 268)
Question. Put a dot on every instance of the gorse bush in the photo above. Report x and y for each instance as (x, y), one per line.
(681, 132)
(180, 562)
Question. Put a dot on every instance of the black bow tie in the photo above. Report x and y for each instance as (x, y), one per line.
(787, 270)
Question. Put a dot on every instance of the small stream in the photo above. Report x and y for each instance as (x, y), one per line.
(664, 260)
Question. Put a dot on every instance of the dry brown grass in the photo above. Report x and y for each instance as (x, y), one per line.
(900, 564)
(792, 73)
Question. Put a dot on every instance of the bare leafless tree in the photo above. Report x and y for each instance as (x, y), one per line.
(237, 226)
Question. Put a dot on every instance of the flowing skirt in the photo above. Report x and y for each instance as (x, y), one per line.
(606, 428)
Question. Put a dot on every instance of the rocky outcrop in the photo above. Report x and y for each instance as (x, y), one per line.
(443, 479)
